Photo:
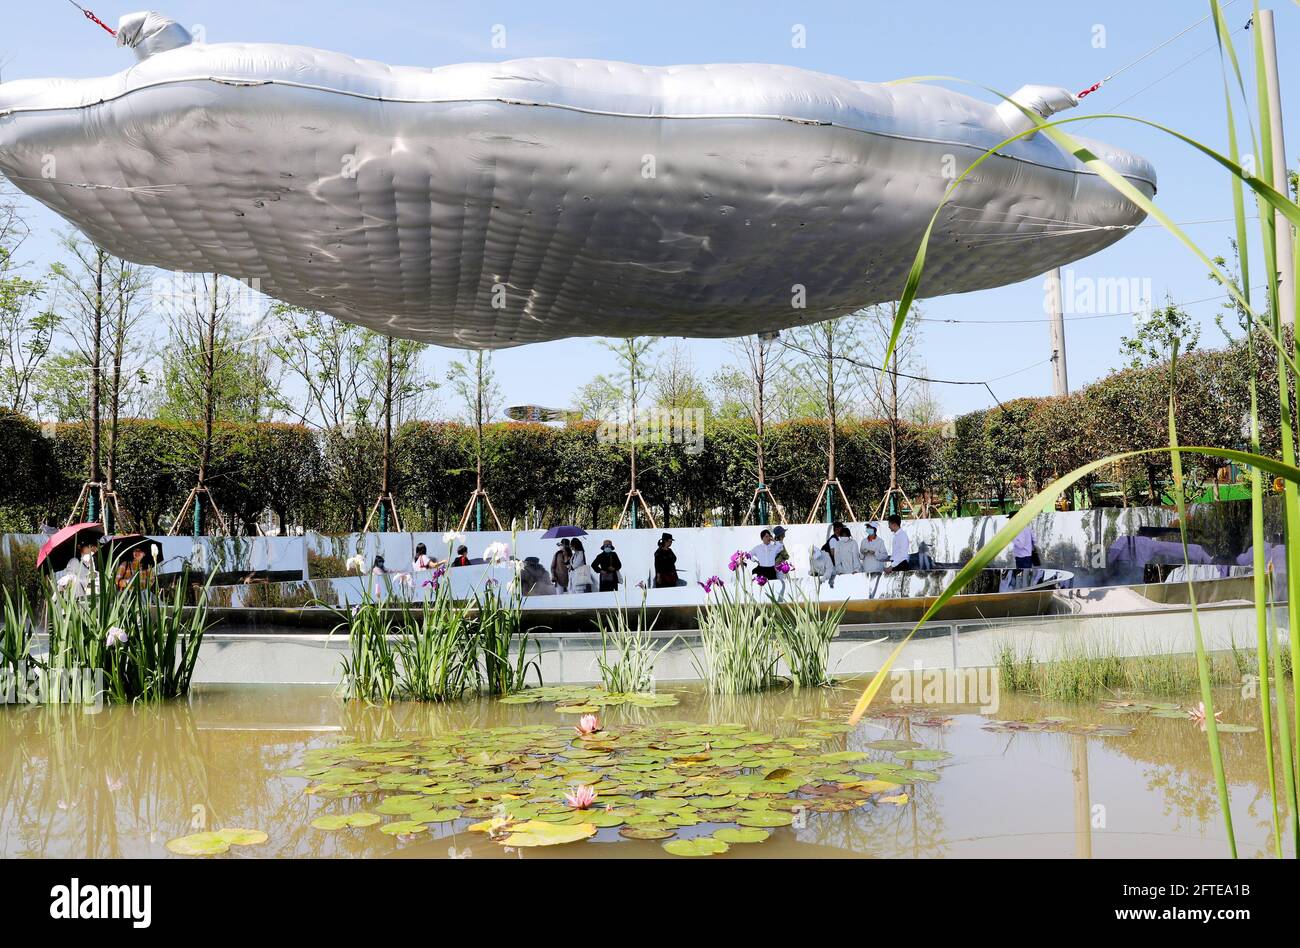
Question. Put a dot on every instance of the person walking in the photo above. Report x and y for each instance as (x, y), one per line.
(608, 567)
(1024, 548)
(875, 555)
(581, 578)
(665, 563)
(900, 557)
(560, 566)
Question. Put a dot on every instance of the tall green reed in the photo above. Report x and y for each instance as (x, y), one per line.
(634, 668)
(738, 641)
(804, 631)
(1268, 200)
(437, 650)
(144, 639)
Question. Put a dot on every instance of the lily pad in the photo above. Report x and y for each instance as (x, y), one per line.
(923, 754)
(403, 828)
(534, 833)
(699, 846)
(216, 842)
(743, 835)
(766, 818)
(893, 745)
(345, 820)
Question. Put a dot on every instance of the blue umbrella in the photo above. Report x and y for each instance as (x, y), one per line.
(557, 533)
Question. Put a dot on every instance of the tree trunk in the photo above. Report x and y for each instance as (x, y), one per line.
(96, 360)
(209, 386)
(388, 418)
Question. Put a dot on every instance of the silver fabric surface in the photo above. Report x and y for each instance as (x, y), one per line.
(496, 204)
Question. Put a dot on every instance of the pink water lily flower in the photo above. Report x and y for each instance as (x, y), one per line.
(1197, 714)
(588, 724)
(581, 797)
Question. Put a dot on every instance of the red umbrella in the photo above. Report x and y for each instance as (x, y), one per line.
(66, 542)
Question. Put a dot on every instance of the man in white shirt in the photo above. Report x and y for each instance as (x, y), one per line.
(875, 555)
(902, 546)
(1022, 548)
(765, 555)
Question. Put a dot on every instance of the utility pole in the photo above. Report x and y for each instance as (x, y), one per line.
(1060, 378)
(1285, 242)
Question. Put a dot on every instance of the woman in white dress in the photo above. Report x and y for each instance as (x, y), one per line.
(581, 578)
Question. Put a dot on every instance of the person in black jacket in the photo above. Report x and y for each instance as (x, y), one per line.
(607, 566)
(665, 563)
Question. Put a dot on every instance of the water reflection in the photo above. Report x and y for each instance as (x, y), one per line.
(122, 782)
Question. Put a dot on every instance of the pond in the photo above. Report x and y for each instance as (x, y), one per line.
(780, 769)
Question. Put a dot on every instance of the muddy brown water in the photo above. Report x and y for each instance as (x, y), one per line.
(122, 782)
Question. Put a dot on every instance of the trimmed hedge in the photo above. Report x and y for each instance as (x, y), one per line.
(564, 474)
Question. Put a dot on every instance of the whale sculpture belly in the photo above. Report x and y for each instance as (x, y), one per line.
(496, 204)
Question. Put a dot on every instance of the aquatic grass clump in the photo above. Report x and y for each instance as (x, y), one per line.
(738, 639)
(497, 626)
(1085, 672)
(143, 640)
(436, 651)
(804, 631)
(633, 670)
(16, 637)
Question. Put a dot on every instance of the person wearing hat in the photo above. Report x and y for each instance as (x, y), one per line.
(665, 563)
(560, 566)
(875, 554)
(607, 566)
(782, 555)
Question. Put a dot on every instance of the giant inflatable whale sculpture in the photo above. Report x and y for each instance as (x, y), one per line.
(487, 205)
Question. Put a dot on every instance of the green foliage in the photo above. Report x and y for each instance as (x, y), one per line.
(328, 480)
(633, 670)
(434, 650)
(162, 635)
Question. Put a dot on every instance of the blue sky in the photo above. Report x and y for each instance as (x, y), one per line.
(1003, 44)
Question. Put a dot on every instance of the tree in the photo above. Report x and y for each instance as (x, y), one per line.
(396, 374)
(210, 373)
(677, 386)
(90, 291)
(830, 351)
(1157, 333)
(633, 379)
(331, 359)
(26, 328)
(749, 388)
(475, 383)
(598, 399)
(126, 373)
(892, 392)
